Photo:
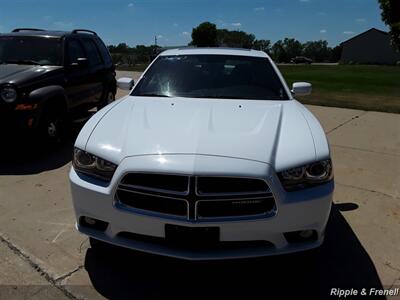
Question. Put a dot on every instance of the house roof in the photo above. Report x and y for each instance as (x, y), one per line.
(365, 32)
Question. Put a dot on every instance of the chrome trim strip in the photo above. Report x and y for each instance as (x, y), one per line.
(148, 194)
(234, 199)
(236, 218)
(160, 174)
(232, 194)
(142, 188)
(149, 213)
(268, 214)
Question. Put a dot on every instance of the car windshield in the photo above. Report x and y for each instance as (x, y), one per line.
(30, 50)
(212, 76)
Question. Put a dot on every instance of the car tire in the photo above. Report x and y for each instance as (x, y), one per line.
(109, 97)
(52, 124)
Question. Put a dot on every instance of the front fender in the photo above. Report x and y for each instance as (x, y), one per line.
(91, 124)
(48, 93)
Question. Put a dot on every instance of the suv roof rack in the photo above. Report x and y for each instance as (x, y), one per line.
(27, 29)
(83, 30)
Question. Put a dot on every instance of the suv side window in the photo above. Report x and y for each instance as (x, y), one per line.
(104, 51)
(74, 51)
(92, 52)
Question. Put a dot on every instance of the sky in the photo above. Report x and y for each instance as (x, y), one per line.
(139, 21)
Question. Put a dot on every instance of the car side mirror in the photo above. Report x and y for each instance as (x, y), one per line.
(81, 61)
(125, 83)
(301, 88)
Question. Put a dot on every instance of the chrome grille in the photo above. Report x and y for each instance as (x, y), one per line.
(150, 202)
(158, 183)
(195, 198)
(226, 208)
(211, 186)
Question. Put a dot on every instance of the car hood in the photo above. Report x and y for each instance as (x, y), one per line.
(273, 132)
(13, 73)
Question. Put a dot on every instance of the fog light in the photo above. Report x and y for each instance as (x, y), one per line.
(90, 221)
(306, 234)
(301, 236)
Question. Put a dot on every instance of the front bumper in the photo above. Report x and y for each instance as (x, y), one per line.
(18, 119)
(304, 210)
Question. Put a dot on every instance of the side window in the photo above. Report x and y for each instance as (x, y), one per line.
(92, 52)
(104, 51)
(75, 51)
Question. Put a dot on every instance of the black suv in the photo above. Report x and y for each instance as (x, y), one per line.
(46, 77)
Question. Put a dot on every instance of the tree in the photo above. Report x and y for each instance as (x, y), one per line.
(204, 35)
(122, 48)
(391, 16)
(262, 45)
(111, 48)
(292, 47)
(335, 54)
(235, 38)
(125, 55)
(278, 52)
(283, 51)
(317, 50)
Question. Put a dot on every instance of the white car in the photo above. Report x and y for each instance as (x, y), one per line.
(209, 157)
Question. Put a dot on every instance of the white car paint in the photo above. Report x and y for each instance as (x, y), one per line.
(262, 131)
(301, 88)
(125, 83)
(244, 138)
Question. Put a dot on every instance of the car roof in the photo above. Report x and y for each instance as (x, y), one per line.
(45, 33)
(215, 51)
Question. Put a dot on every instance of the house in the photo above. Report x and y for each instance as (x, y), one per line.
(370, 47)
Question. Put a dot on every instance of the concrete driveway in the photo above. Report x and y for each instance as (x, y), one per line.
(42, 256)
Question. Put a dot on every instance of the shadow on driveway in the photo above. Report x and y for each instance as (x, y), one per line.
(26, 155)
(340, 262)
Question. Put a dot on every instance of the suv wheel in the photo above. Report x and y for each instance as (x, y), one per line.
(110, 97)
(52, 124)
(52, 129)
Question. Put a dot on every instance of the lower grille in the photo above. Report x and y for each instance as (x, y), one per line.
(195, 198)
(219, 245)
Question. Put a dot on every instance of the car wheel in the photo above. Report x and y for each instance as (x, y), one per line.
(109, 98)
(52, 125)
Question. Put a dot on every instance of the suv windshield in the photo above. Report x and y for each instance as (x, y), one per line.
(212, 76)
(30, 50)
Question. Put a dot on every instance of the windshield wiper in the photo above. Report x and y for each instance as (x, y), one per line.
(23, 61)
(153, 95)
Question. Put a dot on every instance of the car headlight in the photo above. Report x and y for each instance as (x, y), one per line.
(92, 165)
(8, 94)
(306, 176)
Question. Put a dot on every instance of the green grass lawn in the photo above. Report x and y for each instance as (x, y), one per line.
(352, 86)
